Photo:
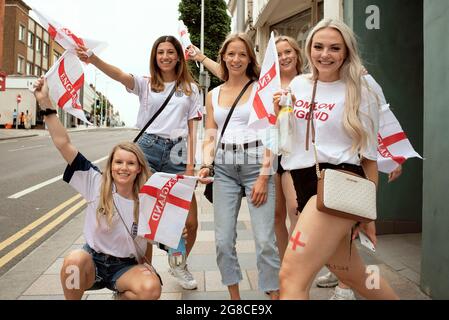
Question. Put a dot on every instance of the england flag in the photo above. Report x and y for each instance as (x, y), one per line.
(184, 38)
(66, 38)
(262, 114)
(393, 145)
(65, 80)
(165, 201)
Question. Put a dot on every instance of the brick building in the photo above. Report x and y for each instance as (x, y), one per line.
(27, 52)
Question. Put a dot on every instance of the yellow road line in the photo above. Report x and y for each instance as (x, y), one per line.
(38, 222)
(19, 249)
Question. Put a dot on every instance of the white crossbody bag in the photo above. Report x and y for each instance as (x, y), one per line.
(339, 192)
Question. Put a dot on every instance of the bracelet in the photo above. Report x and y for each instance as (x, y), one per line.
(47, 112)
(203, 59)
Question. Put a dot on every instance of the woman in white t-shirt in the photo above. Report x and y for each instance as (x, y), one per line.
(113, 256)
(346, 117)
(168, 143)
(241, 164)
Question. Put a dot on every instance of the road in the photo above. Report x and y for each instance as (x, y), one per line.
(34, 201)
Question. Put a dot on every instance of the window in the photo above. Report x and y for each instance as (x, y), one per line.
(299, 25)
(38, 44)
(45, 51)
(37, 71)
(21, 33)
(20, 64)
(30, 39)
(56, 56)
(29, 70)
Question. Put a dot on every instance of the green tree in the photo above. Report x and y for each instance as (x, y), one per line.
(217, 25)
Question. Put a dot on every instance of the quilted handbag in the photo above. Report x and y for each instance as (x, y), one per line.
(339, 192)
(346, 195)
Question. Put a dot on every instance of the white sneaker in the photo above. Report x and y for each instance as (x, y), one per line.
(343, 294)
(327, 281)
(184, 277)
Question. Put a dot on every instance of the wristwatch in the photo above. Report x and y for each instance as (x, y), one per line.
(210, 167)
(47, 112)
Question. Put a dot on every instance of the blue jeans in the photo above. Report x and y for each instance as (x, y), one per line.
(108, 269)
(164, 155)
(230, 177)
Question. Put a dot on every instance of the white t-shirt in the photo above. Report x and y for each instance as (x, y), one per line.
(85, 178)
(333, 143)
(237, 131)
(173, 121)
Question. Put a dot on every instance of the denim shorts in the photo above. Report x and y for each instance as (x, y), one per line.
(164, 155)
(108, 269)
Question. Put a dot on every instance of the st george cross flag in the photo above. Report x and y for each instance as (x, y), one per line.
(164, 204)
(65, 37)
(393, 145)
(65, 79)
(262, 113)
(184, 38)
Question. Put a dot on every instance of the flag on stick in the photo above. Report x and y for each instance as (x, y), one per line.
(164, 204)
(66, 38)
(65, 80)
(184, 38)
(262, 114)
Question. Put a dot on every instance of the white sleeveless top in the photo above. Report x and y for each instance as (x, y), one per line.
(237, 131)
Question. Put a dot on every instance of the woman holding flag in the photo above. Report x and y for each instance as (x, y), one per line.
(168, 143)
(113, 256)
(290, 64)
(242, 166)
(346, 128)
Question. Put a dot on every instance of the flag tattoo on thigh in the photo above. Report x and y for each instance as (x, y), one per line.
(298, 242)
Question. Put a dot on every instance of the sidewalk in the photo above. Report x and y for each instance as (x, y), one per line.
(11, 134)
(36, 277)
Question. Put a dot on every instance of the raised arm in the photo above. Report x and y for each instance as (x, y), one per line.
(111, 71)
(57, 131)
(210, 64)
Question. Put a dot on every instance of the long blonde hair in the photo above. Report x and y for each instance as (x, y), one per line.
(184, 79)
(253, 69)
(106, 205)
(294, 44)
(351, 73)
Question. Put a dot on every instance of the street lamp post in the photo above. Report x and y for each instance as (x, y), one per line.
(204, 75)
(107, 105)
(95, 99)
(101, 110)
(19, 99)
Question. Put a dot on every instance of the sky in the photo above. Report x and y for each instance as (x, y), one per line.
(129, 27)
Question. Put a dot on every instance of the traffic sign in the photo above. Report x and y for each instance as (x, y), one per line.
(19, 98)
(2, 81)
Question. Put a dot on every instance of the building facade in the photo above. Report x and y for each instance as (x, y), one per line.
(28, 52)
(287, 17)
